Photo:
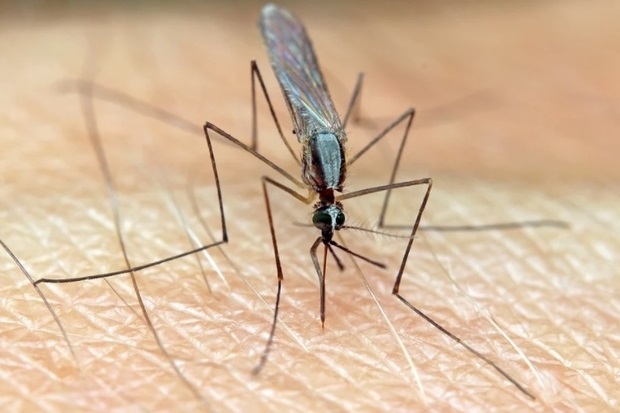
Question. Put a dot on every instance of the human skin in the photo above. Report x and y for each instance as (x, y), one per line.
(517, 121)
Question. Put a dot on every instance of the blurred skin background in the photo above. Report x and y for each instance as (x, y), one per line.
(517, 120)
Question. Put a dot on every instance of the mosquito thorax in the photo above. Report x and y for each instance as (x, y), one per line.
(328, 219)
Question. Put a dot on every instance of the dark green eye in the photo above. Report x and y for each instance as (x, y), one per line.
(340, 220)
(321, 219)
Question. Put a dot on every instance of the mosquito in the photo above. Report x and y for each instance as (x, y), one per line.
(321, 133)
(322, 136)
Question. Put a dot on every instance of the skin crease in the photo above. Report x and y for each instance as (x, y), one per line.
(517, 120)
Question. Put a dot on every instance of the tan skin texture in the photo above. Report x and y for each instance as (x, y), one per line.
(517, 120)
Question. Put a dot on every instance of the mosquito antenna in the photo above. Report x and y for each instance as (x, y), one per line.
(355, 254)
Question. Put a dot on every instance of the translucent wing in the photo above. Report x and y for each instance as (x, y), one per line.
(298, 73)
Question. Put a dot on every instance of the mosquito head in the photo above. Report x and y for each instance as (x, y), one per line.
(328, 219)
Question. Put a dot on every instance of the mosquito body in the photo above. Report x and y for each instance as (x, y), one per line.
(315, 119)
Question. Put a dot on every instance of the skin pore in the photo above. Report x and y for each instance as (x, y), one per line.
(514, 123)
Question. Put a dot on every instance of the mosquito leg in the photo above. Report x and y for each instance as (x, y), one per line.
(396, 288)
(224, 239)
(481, 356)
(94, 91)
(208, 126)
(257, 75)
(414, 229)
(353, 108)
(151, 111)
(128, 102)
(256, 154)
(280, 274)
(408, 116)
(399, 276)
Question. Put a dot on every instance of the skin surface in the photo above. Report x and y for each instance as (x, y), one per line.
(517, 120)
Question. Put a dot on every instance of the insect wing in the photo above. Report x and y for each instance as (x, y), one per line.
(295, 65)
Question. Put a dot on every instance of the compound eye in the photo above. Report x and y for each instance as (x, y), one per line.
(322, 220)
(339, 220)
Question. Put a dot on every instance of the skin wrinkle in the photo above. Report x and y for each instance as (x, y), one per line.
(579, 369)
(576, 367)
(605, 221)
(49, 138)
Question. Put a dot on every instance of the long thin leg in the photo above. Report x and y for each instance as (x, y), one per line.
(126, 101)
(280, 274)
(151, 111)
(174, 120)
(317, 266)
(171, 258)
(414, 229)
(208, 126)
(256, 154)
(396, 288)
(407, 115)
(399, 276)
(257, 75)
(354, 102)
